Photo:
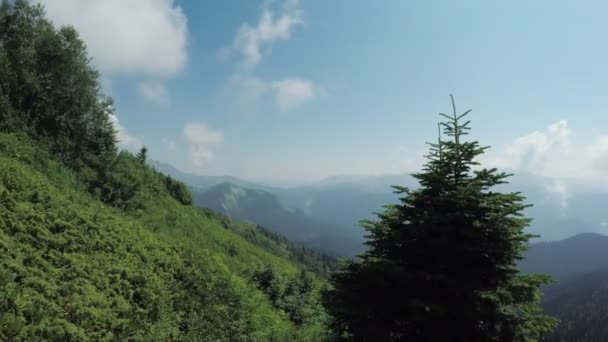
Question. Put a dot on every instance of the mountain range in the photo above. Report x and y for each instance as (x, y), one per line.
(560, 208)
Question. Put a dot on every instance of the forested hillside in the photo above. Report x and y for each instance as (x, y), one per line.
(95, 245)
(581, 304)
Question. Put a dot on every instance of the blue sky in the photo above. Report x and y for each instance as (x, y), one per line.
(302, 90)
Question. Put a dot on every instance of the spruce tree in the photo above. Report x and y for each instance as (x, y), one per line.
(142, 155)
(441, 265)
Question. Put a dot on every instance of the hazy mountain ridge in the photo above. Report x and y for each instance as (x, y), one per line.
(579, 297)
(568, 258)
(267, 210)
(345, 200)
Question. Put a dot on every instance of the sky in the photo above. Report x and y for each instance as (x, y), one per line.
(290, 90)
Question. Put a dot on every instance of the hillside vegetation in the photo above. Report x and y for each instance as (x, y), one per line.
(95, 245)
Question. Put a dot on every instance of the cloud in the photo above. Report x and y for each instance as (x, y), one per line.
(125, 139)
(251, 41)
(292, 93)
(153, 91)
(560, 189)
(556, 154)
(287, 94)
(533, 152)
(146, 38)
(201, 141)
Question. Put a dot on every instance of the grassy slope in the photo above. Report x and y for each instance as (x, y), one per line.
(72, 267)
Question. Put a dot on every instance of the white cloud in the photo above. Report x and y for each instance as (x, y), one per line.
(287, 94)
(292, 93)
(154, 91)
(251, 41)
(201, 141)
(124, 137)
(147, 38)
(560, 189)
(554, 153)
(533, 152)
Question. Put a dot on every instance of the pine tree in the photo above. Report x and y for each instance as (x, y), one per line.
(142, 155)
(441, 264)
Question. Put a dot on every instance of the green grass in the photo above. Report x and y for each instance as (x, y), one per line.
(74, 268)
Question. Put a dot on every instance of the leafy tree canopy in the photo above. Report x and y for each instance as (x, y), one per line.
(50, 91)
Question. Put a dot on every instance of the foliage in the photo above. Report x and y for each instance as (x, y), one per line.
(95, 244)
(142, 155)
(445, 256)
(276, 244)
(102, 273)
(178, 190)
(49, 91)
(295, 295)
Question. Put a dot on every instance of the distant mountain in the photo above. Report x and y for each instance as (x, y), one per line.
(579, 298)
(200, 182)
(561, 208)
(568, 258)
(267, 210)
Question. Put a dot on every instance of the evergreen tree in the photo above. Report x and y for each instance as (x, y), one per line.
(441, 264)
(142, 155)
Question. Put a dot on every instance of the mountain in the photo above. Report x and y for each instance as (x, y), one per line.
(567, 258)
(343, 204)
(267, 210)
(581, 304)
(560, 207)
(579, 298)
(197, 181)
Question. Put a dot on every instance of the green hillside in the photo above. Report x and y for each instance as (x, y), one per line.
(96, 245)
(73, 267)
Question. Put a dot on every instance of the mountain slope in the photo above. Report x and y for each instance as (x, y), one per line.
(579, 297)
(567, 258)
(581, 304)
(73, 268)
(265, 209)
(95, 245)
